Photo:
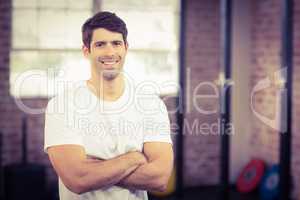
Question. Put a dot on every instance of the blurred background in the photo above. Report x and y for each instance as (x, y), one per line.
(178, 46)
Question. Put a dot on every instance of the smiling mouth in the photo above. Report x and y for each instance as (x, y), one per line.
(109, 62)
(108, 65)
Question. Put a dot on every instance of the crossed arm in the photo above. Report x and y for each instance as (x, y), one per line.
(149, 170)
(155, 173)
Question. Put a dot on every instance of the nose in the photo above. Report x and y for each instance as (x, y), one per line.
(109, 50)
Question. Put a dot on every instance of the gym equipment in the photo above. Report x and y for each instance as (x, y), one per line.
(269, 188)
(251, 176)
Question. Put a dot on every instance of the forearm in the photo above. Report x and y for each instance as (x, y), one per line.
(97, 174)
(148, 176)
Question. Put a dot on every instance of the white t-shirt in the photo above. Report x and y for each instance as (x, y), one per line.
(105, 129)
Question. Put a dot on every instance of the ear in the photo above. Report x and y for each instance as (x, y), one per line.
(126, 45)
(85, 51)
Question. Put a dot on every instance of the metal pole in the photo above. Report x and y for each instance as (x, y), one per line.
(96, 6)
(287, 63)
(181, 102)
(226, 21)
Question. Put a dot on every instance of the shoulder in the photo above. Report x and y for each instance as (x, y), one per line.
(66, 100)
(60, 101)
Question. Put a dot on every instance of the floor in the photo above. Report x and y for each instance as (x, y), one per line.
(199, 193)
(208, 193)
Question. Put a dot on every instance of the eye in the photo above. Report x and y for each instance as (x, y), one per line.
(99, 44)
(117, 43)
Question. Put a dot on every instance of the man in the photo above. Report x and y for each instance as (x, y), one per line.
(102, 140)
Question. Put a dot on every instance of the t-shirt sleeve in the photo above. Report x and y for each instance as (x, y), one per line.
(58, 130)
(158, 124)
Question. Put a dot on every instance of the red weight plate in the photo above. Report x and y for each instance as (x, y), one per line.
(251, 176)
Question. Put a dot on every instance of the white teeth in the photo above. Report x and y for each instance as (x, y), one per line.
(109, 63)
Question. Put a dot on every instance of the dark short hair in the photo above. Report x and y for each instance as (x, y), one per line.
(104, 19)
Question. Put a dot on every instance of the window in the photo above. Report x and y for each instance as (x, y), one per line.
(46, 41)
(152, 37)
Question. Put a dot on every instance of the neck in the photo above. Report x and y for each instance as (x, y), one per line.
(109, 90)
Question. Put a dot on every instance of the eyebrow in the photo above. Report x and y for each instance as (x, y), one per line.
(104, 41)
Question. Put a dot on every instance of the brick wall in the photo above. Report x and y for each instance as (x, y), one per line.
(201, 153)
(10, 115)
(296, 108)
(265, 61)
(8, 129)
(5, 26)
(265, 56)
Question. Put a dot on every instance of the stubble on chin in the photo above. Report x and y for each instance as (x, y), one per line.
(107, 74)
(110, 74)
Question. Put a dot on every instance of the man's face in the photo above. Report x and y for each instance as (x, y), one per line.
(107, 53)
